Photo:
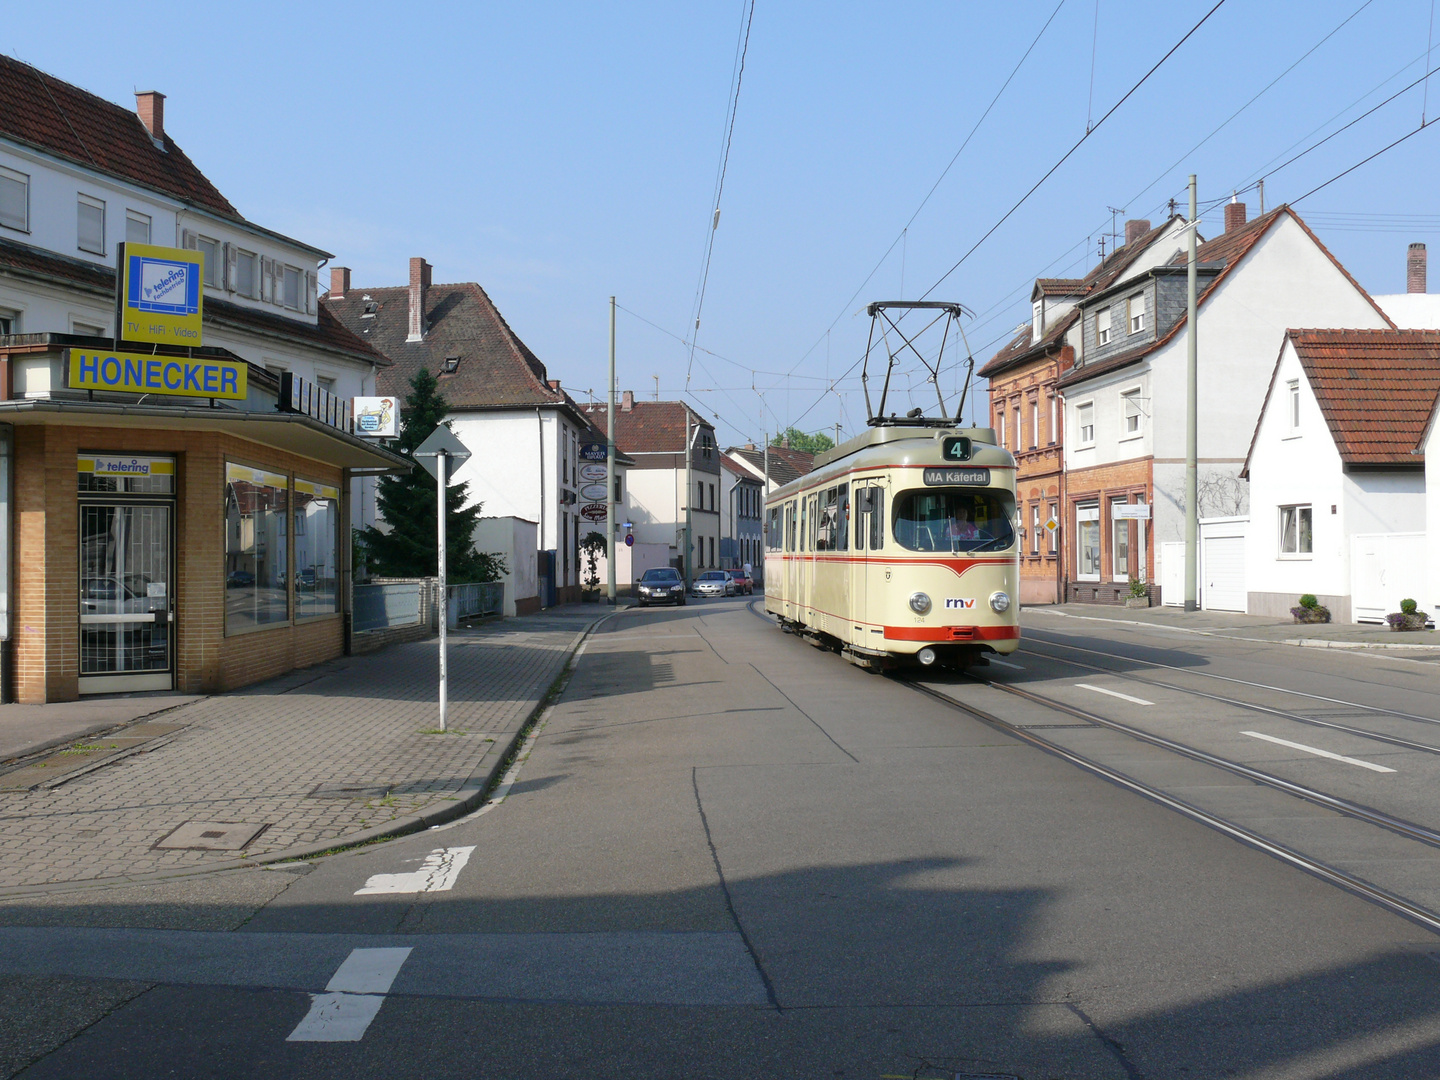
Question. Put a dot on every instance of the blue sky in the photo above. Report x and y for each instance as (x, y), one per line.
(562, 153)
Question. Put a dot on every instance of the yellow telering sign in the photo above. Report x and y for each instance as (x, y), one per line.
(160, 294)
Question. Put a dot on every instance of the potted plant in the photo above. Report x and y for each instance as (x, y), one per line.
(1408, 618)
(1310, 610)
(1139, 594)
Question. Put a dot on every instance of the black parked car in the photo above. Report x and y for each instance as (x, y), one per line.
(660, 585)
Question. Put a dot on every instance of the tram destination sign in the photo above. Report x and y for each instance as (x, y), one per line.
(957, 477)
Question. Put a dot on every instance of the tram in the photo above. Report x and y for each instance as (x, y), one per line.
(900, 549)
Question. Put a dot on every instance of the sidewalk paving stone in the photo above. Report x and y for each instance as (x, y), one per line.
(257, 755)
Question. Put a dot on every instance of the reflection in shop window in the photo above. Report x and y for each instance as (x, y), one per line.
(256, 503)
(317, 586)
(1087, 534)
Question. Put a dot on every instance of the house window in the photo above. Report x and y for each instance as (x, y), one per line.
(1292, 405)
(137, 227)
(291, 287)
(326, 383)
(1102, 327)
(1085, 421)
(87, 329)
(247, 277)
(1130, 414)
(1034, 528)
(14, 200)
(1000, 426)
(1295, 537)
(1034, 424)
(214, 265)
(90, 224)
(1019, 434)
(712, 496)
(1054, 427)
(1037, 320)
(1137, 313)
(7, 323)
(1087, 540)
(619, 496)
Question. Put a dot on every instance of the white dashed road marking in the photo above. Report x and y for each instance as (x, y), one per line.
(1113, 693)
(1318, 752)
(436, 874)
(352, 998)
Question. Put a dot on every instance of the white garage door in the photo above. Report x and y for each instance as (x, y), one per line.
(1222, 561)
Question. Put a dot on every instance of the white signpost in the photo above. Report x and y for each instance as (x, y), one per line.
(442, 454)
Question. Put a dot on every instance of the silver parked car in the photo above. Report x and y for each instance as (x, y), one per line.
(714, 583)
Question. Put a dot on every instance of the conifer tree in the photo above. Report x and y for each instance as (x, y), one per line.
(407, 503)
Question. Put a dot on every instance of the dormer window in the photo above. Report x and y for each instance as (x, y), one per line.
(1137, 313)
(371, 307)
(1102, 327)
(1037, 320)
(452, 364)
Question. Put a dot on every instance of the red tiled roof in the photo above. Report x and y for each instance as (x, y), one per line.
(1059, 286)
(785, 464)
(71, 123)
(496, 368)
(650, 427)
(1376, 389)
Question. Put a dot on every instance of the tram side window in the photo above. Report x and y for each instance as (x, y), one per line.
(842, 518)
(804, 536)
(954, 519)
(773, 537)
(869, 517)
(827, 519)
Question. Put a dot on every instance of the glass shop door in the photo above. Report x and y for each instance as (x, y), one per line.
(126, 596)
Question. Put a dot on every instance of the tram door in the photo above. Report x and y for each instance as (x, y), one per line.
(869, 503)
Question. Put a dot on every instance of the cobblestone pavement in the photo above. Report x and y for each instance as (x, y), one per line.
(266, 756)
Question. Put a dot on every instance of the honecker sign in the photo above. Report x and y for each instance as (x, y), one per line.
(160, 293)
(128, 373)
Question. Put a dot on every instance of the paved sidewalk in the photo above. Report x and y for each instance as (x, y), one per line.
(335, 753)
(1422, 644)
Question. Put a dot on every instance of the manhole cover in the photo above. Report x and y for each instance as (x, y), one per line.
(350, 791)
(211, 836)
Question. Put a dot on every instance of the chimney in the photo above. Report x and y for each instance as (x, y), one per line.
(627, 401)
(151, 107)
(419, 283)
(749, 446)
(1415, 269)
(339, 282)
(554, 385)
(1234, 214)
(1134, 230)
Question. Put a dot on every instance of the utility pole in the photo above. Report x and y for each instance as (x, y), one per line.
(610, 472)
(688, 542)
(1192, 368)
(837, 434)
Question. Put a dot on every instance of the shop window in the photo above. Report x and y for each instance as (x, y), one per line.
(1087, 541)
(137, 227)
(14, 200)
(90, 224)
(317, 551)
(257, 503)
(1119, 542)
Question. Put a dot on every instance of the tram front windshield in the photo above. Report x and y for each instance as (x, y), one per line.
(954, 519)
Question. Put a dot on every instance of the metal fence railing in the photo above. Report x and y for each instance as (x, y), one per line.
(474, 600)
(379, 607)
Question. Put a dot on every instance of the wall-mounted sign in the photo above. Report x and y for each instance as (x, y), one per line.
(592, 473)
(302, 396)
(159, 294)
(594, 511)
(594, 493)
(377, 417)
(125, 465)
(1130, 511)
(178, 376)
(592, 451)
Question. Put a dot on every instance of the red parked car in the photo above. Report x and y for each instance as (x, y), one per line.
(743, 582)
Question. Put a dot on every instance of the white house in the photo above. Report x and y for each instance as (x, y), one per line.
(524, 433)
(1337, 471)
(1125, 398)
(67, 202)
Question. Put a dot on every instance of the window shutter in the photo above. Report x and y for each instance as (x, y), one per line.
(310, 292)
(187, 239)
(267, 279)
(230, 257)
(278, 289)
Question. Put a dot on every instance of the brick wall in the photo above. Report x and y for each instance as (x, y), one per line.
(47, 631)
(1099, 485)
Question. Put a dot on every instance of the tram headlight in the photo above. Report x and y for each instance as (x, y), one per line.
(926, 656)
(1000, 601)
(919, 603)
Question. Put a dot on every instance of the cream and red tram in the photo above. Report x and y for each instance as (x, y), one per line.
(900, 548)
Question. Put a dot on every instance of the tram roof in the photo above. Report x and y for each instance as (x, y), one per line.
(881, 442)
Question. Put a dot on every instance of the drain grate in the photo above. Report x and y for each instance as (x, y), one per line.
(211, 836)
(350, 791)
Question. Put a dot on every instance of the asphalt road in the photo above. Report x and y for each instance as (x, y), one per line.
(730, 854)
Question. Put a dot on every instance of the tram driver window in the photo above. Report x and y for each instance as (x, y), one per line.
(954, 520)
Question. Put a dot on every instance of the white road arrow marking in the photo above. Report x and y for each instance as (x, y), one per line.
(352, 998)
(1113, 693)
(1318, 752)
(436, 874)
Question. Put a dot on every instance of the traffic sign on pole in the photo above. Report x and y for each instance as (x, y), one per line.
(442, 438)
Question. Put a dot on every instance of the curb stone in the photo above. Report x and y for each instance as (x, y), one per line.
(1305, 643)
(465, 800)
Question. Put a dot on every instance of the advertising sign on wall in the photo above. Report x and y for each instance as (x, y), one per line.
(377, 417)
(592, 451)
(177, 376)
(594, 511)
(592, 473)
(160, 294)
(593, 492)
